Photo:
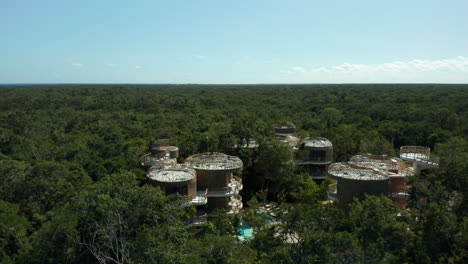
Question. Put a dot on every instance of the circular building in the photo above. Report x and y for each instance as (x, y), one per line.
(314, 156)
(394, 168)
(177, 180)
(158, 151)
(354, 181)
(215, 172)
(287, 134)
(161, 152)
(288, 128)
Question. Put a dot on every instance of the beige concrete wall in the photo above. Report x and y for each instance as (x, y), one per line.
(192, 188)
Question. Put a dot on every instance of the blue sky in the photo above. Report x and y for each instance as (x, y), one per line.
(222, 41)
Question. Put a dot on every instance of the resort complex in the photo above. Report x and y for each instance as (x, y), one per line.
(218, 174)
(209, 182)
(206, 180)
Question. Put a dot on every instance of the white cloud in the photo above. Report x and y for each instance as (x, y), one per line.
(459, 64)
(415, 70)
(112, 65)
(77, 64)
(299, 69)
(137, 67)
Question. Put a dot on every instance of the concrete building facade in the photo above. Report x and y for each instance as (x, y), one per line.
(314, 156)
(379, 175)
(215, 173)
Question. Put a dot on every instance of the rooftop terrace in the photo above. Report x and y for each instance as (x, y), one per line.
(171, 175)
(347, 170)
(214, 161)
(393, 167)
(317, 142)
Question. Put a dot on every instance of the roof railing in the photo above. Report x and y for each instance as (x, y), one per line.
(419, 154)
(223, 191)
(198, 220)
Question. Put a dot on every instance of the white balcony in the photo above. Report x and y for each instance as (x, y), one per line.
(222, 192)
(201, 218)
(235, 204)
(236, 182)
(200, 199)
(399, 192)
(332, 192)
(403, 195)
(232, 189)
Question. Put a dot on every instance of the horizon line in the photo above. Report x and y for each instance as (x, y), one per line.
(344, 83)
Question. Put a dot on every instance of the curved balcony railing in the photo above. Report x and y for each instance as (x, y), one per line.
(332, 192)
(200, 199)
(236, 182)
(312, 162)
(148, 160)
(200, 219)
(403, 195)
(232, 189)
(318, 175)
(399, 192)
(419, 154)
(415, 149)
(309, 156)
(223, 191)
(235, 202)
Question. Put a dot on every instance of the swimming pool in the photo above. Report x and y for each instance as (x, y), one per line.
(245, 231)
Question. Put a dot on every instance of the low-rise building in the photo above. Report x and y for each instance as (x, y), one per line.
(379, 175)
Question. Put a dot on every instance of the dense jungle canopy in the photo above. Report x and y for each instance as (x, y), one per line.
(72, 189)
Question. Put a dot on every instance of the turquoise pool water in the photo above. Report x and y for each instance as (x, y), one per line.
(245, 231)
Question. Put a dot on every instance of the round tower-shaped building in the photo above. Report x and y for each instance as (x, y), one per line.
(179, 181)
(314, 156)
(287, 134)
(215, 172)
(288, 128)
(161, 153)
(354, 181)
(395, 169)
